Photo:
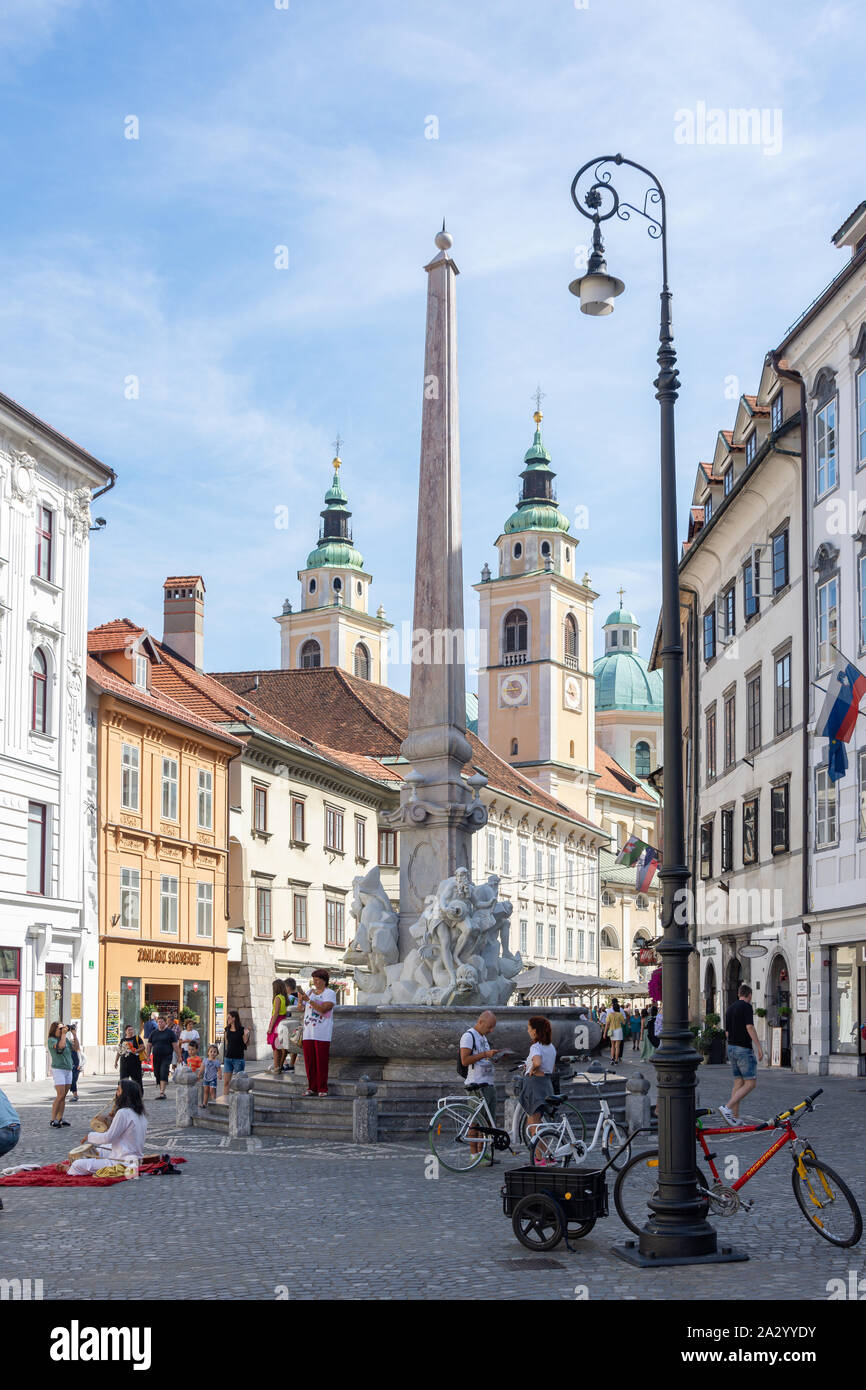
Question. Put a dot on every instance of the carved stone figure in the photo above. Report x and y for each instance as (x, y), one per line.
(374, 947)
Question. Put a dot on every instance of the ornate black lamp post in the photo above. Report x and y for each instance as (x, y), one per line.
(677, 1231)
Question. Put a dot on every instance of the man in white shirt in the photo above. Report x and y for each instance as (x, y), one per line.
(479, 1059)
(318, 1030)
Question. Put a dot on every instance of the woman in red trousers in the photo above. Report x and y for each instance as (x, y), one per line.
(318, 1027)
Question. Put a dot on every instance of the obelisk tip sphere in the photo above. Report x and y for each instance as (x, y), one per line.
(444, 240)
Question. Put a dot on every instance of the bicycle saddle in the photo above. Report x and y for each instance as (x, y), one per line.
(704, 1110)
(553, 1101)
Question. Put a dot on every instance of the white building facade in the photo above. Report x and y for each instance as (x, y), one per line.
(48, 962)
(826, 350)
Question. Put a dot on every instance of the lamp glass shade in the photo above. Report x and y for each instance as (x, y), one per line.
(597, 292)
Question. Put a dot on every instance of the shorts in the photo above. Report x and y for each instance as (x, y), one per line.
(231, 1064)
(615, 1035)
(61, 1078)
(744, 1063)
(161, 1066)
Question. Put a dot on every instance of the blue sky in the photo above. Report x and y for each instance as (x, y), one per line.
(305, 127)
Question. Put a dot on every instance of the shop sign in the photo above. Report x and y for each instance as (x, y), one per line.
(39, 1003)
(776, 1047)
(75, 1005)
(802, 956)
(112, 1026)
(161, 957)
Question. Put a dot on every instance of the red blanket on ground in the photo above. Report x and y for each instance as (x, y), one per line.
(55, 1175)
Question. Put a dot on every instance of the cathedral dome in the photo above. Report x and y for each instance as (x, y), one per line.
(624, 681)
(622, 678)
(334, 548)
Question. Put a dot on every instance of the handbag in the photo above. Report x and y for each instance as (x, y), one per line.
(296, 1038)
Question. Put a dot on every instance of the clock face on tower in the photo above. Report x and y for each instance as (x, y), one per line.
(513, 690)
(571, 693)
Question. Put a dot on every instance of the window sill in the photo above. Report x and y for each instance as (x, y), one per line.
(261, 834)
(386, 866)
(361, 859)
(41, 737)
(46, 585)
(335, 945)
(298, 844)
(300, 941)
(332, 849)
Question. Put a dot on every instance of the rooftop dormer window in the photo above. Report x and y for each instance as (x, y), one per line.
(776, 409)
(141, 665)
(728, 479)
(708, 508)
(751, 446)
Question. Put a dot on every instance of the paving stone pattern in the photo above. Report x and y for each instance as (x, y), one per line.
(372, 1226)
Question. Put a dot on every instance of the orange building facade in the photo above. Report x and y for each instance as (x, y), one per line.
(162, 843)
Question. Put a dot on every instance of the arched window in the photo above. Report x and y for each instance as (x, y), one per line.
(514, 748)
(360, 588)
(545, 548)
(609, 939)
(362, 662)
(312, 586)
(338, 584)
(642, 759)
(311, 654)
(518, 550)
(515, 632)
(39, 692)
(607, 898)
(570, 636)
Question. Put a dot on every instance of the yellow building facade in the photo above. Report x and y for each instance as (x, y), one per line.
(162, 843)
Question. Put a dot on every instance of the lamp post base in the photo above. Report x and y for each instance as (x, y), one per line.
(630, 1253)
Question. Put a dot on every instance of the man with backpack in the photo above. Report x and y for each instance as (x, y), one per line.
(476, 1065)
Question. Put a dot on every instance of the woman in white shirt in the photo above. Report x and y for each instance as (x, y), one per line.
(123, 1141)
(318, 1029)
(538, 1073)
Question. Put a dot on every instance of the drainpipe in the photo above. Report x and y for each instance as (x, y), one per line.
(789, 375)
(108, 486)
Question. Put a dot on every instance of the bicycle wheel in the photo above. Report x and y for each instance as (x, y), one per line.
(542, 1149)
(636, 1186)
(827, 1203)
(575, 1119)
(447, 1134)
(617, 1147)
(536, 1222)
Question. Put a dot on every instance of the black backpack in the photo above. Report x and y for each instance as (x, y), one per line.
(461, 1069)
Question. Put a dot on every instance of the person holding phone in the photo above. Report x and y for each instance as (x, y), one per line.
(478, 1059)
(318, 1031)
(61, 1071)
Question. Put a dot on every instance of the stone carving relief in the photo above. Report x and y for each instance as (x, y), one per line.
(78, 511)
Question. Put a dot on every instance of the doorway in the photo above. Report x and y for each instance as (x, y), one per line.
(733, 980)
(163, 999)
(710, 990)
(53, 995)
(778, 999)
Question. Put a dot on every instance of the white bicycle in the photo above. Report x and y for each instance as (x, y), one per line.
(556, 1145)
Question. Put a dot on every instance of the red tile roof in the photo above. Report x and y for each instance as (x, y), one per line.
(183, 579)
(112, 684)
(349, 714)
(113, 636)
(708, 471)
(614, 778)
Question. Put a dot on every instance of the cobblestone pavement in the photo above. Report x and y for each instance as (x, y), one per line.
(367, 1224)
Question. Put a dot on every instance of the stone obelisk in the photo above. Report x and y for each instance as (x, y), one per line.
(438, 812)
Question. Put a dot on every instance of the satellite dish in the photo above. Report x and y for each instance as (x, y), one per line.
(750, 952)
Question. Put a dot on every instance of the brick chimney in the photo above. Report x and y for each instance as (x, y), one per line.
(183, 617)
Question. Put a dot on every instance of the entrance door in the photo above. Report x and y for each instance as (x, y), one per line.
(710, 990)
(53, 995)
(9, 994)
(163, 999)
(733, 980)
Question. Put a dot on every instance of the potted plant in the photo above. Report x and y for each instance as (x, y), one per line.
(711, 1040)
(145, 1012)
(188, 1016)
(785, 1010)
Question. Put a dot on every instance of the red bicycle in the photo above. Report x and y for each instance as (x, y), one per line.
(824, 1199)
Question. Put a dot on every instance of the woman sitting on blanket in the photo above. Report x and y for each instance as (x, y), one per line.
(124, 1138)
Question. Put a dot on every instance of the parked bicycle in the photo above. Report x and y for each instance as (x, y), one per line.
(463, 1123)
(557, 1144)
(520, 1136)
(824, 1199)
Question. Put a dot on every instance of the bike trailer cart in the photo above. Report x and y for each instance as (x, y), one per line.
(547, 1205)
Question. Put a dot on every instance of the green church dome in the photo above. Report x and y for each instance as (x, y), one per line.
(537, 517)
(620, 615)
(334, 548)
(624, 681)
(537, 509)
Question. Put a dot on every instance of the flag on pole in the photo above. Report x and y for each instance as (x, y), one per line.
(839, 715)
(643, 857)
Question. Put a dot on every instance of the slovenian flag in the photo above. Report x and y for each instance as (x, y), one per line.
(839, 715)
(643, 857)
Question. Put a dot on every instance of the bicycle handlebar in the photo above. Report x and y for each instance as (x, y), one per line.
(807, 1104)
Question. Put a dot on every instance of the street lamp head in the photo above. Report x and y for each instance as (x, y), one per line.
(596, 290)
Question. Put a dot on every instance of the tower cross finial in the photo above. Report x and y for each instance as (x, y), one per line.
(338, 444)
(538, 398)
(620, 592)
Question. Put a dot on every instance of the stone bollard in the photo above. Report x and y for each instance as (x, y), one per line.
(240, 1106)
(186, 1096)
(365, 1113)
(637, 1103)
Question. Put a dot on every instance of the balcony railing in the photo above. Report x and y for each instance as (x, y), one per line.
(514, 659)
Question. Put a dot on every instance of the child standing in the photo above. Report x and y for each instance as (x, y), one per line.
(212, 1071)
